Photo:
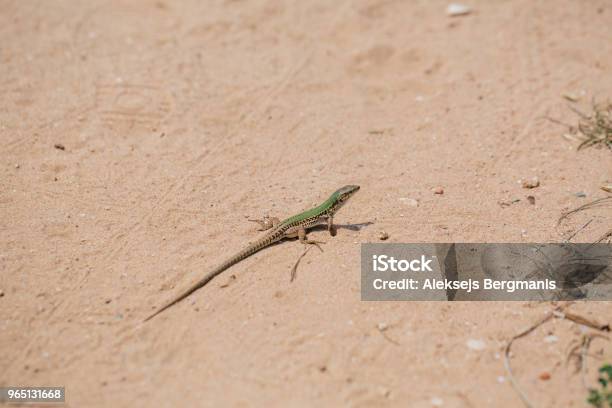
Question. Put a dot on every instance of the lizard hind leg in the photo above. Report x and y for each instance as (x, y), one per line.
(302, 236)
(266, 223)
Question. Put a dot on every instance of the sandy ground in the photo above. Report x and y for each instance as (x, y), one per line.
(180, 120)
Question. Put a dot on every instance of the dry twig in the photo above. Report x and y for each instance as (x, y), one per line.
(600, 202)
(580, 352)
(558, 312)
(592, 129)
(524, 333)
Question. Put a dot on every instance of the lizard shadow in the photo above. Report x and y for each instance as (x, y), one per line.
(354, 227)
(351, 227)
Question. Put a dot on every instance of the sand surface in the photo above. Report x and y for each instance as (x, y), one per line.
(139, 136)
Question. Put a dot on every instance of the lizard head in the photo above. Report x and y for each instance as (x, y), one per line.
(344, 193)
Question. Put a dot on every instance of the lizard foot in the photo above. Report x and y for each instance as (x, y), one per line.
(266, 223)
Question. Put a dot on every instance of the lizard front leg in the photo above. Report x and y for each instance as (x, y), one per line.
(330, 226)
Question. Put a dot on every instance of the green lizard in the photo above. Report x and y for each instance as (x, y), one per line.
(292, 227)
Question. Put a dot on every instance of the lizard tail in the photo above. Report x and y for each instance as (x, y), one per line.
(246, 252)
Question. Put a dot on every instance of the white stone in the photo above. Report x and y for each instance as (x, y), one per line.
(456, 9)
(474, 344)
(437, 402)
(551, 339)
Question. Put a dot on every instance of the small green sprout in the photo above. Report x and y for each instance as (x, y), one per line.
(602, 397)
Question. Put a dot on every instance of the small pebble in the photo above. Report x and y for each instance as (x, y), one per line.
(437, 402)
(531, 183)
(544, 376)
(383, 236)
(59, 146)
(551, 339)
(438, 190)
(607, 187)
(572, 97)
(17, 166)
(384, 391)
(1, 293)
(531, 200)
(107, 301)
(382, 326)
(580, 194)
(477, 345)
(508, 203)
(410, 201)
(456, 9)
